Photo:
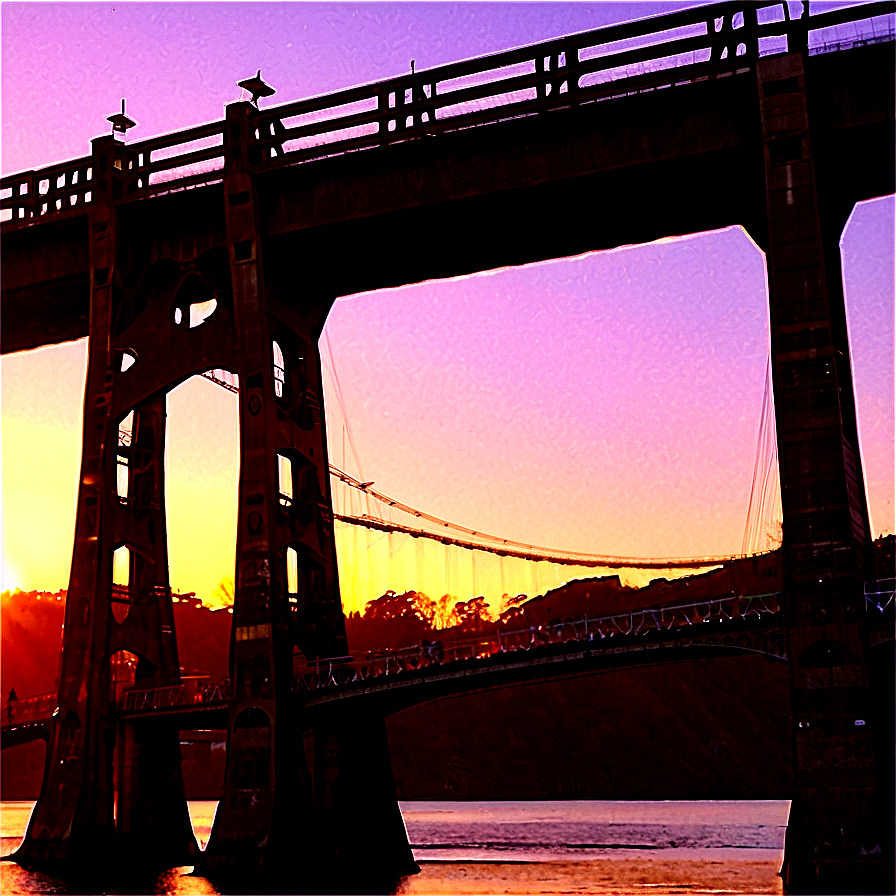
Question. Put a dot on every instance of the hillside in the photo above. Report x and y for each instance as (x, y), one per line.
(708, 729)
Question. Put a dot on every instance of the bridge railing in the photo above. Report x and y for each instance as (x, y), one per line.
(187, 157)
(879, 595)
(178, 695)
(342, 671)
(619, 60)
(347, 670)
(50, 192)
(29, 709)
(339, 671)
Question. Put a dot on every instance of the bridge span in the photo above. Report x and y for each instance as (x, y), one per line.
(392, 680)
(181, 254)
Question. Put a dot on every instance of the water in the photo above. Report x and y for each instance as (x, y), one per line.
(544, 847)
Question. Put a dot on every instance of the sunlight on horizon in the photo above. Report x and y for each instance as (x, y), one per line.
(495, 401)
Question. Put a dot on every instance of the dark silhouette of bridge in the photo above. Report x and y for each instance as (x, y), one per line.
(182, 254)
(721, 626)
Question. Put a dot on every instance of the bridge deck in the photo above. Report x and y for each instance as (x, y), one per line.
(412, 161)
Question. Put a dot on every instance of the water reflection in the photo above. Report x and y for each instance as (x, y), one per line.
(17, 880)
(589, 847)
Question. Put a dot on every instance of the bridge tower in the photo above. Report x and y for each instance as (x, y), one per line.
(279, 809)
(840, 836)
(118, 597)
(174, 293)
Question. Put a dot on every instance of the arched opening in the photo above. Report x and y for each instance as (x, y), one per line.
(606, 403)
(123, 666)
(194, 303)
(867, 255)
(121, 581)
(123, 458)
(292, 575)
(128, 360)
(279, 371)
(284, 477)
(201, 487)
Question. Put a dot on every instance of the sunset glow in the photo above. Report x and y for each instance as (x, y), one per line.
(607, 403)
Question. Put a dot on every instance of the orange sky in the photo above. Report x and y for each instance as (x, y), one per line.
(607, 404)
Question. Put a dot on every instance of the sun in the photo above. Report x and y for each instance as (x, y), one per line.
(9, 578)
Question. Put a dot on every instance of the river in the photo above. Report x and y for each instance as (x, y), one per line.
(540, 847)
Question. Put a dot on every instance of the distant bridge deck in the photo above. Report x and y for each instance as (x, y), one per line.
(398, 679)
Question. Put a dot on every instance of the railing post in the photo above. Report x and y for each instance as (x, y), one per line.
(571, 68)
(798, 29)
(540, 85)
(751, 31)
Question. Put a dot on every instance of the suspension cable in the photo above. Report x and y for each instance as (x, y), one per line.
(506, 547)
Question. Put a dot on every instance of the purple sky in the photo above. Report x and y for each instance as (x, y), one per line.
(608, 403)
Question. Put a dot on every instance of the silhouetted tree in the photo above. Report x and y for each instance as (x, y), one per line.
(516, 600)
(512, 617)
(472, 614)
(410, 605)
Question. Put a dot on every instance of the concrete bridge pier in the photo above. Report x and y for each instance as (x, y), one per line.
(119, 625)
(287, 606)
(356, 804)
(151, 815)
(836, 839)
(264, 827)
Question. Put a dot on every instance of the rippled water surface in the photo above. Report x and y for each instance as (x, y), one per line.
(583, 847)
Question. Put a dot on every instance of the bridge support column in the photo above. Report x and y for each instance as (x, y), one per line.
(287, 607)
(354, 795)
(118, 613)
(151, 793)
(836, 836)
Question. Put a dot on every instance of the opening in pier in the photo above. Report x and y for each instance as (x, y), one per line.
(201, 480)
(607, 403)
(867, 252)
(123, 666)
(121, 580)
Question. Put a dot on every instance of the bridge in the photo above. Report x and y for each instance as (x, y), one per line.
(753, 624)
(178, 255)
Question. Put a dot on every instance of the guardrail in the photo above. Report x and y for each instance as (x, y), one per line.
(879, 594)
(51, 192)
(650, 54)
(340, 671)
(178, 695)
(29, 709)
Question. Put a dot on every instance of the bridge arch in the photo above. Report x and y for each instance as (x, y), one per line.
(194, 302)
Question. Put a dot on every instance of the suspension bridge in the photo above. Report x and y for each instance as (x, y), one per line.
(177, 256)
